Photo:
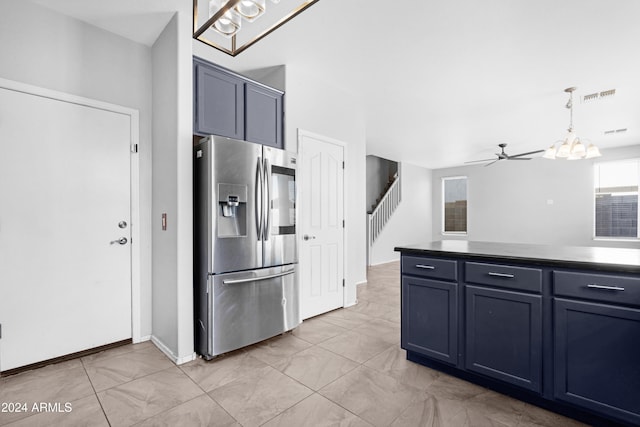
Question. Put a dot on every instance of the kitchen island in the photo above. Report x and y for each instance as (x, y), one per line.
(555, 326)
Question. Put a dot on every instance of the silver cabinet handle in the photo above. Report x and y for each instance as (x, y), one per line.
(255, 279)
(121, 241)
(307, 237)
(604, 287)
(505, 275)
(426, 267)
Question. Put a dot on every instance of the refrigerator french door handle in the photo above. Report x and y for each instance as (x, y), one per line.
(256, 279)
(259, 198)
(267, 201)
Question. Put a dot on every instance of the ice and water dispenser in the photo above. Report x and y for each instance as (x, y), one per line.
(232, 210)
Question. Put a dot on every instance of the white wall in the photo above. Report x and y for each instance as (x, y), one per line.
(510, 201)
(43, 48)
(172, 192)
(411, 222)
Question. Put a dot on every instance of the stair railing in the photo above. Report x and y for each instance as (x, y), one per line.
(382, 213)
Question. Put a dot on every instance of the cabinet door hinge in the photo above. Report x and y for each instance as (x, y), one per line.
(343, 283)
(134, 148)
(343, 223)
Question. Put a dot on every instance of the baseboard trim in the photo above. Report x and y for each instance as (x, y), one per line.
(167, 352)
(385, 262)
(64, 358)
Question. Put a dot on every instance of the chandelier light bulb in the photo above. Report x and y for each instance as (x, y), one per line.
(550, 153)
(251, 9)
(229, 23)
(592, 151)
(564, 150)
(578, 149)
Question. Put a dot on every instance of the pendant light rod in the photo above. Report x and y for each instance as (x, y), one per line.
(570, 91)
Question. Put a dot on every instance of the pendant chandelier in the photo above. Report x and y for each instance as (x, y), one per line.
(233, 25)
(571, 148)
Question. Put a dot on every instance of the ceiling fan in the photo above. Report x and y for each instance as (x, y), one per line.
(504, 156)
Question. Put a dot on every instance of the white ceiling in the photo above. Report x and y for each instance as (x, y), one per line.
(444, 81)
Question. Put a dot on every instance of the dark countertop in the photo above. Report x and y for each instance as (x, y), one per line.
(598, 258)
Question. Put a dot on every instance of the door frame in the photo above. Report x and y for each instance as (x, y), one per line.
(304, 133)
(134, 115)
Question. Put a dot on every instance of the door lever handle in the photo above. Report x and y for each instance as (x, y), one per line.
(121, 241)
(307, 237)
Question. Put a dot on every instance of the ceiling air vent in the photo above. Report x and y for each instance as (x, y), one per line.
(615, 131)
(605, 94)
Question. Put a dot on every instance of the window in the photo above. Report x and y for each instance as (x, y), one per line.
(454, 191)
(616, 199)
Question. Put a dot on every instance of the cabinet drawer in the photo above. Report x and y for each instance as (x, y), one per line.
(430, 267)
(504, 276)
(599, 287)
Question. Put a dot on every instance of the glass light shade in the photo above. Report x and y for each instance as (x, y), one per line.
(578, 149)
(275, 1)
(229, 23)
(550, 153)
(251, 9)
(592, 151)
(564, 150)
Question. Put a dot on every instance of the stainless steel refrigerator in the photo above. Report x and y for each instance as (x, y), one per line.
(245, 257)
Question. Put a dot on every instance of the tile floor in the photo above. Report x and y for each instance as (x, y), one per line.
(344, 368)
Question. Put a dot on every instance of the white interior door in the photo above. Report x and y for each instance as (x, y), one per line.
(321, 224)
(64, 198)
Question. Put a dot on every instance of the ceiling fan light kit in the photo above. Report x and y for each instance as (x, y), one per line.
(571, 148)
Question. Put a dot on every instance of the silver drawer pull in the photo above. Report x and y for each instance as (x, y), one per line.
(505, 275)
(426, 267)
(608, 288)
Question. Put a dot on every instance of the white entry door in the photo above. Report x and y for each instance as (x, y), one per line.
(65, 232)
(321, 224)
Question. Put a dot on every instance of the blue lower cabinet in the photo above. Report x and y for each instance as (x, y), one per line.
(430, 318)
(597, 357)
(503, 336)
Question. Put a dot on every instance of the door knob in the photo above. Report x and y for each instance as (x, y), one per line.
(122, 241)
(307, 237)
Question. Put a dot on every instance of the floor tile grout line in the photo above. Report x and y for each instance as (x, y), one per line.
(206, 393)
(95, 393)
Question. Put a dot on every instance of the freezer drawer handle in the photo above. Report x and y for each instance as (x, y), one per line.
(255, 279)
(607, 288)
(505, 275)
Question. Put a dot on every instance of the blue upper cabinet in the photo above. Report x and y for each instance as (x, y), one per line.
(219, 99)
(230, 105)
(263, 115)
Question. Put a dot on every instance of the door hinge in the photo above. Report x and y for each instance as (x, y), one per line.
(134, 148)
(343, 223)
(343, 283)
(342, 165)
(0, 330)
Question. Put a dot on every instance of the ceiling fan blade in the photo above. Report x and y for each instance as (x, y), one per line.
(484, 160)
(489, 164)
(526, 154)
